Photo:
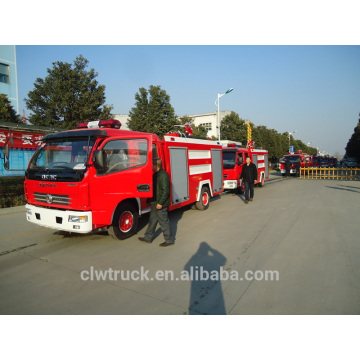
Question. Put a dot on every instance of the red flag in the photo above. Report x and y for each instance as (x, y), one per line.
(188, 130)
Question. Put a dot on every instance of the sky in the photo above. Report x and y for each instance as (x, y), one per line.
(313, 90)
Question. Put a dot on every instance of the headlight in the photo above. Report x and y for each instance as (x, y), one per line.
(78, 219)
(28, 212)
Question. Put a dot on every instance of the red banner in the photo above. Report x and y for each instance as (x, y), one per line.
(22, 139)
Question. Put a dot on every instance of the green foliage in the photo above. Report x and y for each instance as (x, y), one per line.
(68, 95)
(198, 131)
(7, 112)
(233, 128)
(353, 145)
(12, 191)
(152, 112)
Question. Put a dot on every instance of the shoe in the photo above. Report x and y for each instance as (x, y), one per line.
(251, 199)
(166, 244)
(143, 239)
(246, 201)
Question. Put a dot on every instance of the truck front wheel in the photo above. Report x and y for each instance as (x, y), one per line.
(125, 222)
(204, 200)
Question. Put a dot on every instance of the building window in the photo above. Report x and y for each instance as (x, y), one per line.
(4, 74)
(207, 126)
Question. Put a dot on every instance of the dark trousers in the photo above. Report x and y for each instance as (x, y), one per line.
(249, 186)
(161, 217)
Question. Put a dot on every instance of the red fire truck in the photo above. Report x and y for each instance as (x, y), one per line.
(294, 159)
(233, 159)
(99, 177)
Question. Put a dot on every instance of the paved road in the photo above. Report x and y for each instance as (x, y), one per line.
(306, 231)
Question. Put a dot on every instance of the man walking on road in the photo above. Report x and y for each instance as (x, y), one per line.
(249, 176)
(159, 206)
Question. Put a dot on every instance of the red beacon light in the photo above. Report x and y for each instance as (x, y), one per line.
(110, 124)
(82, 126)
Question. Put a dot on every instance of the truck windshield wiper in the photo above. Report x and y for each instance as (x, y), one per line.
(63, 167)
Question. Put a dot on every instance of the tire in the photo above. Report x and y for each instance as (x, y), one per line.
(125, 222)
(261, 183)
(204, 201)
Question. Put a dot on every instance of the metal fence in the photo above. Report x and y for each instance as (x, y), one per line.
(330, 173)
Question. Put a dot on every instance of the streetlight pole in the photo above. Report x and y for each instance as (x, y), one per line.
(217, 102)
(290, 133)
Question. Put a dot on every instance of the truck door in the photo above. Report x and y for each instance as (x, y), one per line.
(127, 174)
(255, 159)
(216, 155)
(266, 159)
(179, 174)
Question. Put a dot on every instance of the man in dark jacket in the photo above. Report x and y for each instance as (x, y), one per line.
(287, 167)
(249, 176)
(159, 206)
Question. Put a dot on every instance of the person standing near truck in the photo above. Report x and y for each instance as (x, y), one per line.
(159, 206)
(249, 176)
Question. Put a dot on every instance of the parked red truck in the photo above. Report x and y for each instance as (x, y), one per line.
(295, 159)
(99, 177)
(233, 160)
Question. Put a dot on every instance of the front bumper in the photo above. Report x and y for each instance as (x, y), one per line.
(292, 171)
(59, 219)
(230, 184)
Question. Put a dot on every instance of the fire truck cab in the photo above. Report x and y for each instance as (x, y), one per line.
(100, 177)
(295, 160)
(233, 160)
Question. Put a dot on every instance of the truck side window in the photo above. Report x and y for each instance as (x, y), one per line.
(125, 154)
(154, 151)
(240, 159)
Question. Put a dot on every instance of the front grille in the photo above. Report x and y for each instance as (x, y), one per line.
(52, 199)
(225, 176)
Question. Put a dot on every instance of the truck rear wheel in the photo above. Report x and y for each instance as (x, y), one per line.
(204, 201)
(125, 222)
(262, 181)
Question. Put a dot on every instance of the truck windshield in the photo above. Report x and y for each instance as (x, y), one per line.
(57, 154)
(292, 159)
(229, 159)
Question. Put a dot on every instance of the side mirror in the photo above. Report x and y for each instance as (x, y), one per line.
(99, 159)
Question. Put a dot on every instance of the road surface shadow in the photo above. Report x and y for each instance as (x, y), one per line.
(206, 297)
(353, 187)
(339, 188)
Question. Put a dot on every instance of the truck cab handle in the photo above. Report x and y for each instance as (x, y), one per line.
(143, 187)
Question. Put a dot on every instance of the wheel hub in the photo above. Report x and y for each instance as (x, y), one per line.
(126, 221)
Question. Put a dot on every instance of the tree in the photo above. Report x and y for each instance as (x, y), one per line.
(7, 112)
(68, 95)
(152, 112)
(353, 145)
(270, 140)
(233, 128)
(198, 131)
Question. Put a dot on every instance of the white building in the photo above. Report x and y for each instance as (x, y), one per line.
(8, 75)
(123, 119)
(209, 121)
